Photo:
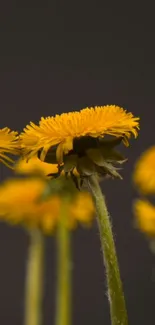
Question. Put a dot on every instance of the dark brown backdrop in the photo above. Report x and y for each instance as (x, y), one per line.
(62, 56)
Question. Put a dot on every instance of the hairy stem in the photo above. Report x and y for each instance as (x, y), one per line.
(115, 292)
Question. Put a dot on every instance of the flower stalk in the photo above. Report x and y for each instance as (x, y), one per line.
(115, 292)
(34, 279)
(64, 268)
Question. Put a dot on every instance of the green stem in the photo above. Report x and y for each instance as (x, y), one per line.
(115, 292)
(63, 298)
(34, 279)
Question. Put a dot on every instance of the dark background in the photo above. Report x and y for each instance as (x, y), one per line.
(61, 56)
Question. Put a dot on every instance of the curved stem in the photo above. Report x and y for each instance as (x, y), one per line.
(115, 292)
(34, 279)
(63, 298)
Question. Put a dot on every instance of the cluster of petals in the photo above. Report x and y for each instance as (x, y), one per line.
(61, 130)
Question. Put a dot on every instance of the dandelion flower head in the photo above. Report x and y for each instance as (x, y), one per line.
(62, 130)
(8, 145)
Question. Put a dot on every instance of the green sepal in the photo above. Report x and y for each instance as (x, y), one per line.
(96, 156)
(102, 155)
(111, 170)
(111, 155)
(78, 181)
(70, 162)
(85, 166)
(110, 143)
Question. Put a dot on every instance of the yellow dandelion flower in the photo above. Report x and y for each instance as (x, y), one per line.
(20, 203)
(145, 216)
(77, 139)
(8, 145)
(62, 129)
(144, 174)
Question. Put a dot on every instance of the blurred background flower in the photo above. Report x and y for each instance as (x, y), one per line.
(45, 206)
(21, 201)
(145, 217)
(144, 173)
(144, 181)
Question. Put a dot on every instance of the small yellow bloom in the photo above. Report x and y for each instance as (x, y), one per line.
(145, 216)
(21, 203)
(61, 130)
(144, 174)
(35, 166)
(8, 145)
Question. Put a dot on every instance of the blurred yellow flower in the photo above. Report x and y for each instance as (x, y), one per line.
(80, 207)
(144, 174)
(145, 216)
(61, 130)
(35, 166)
(20, 203)
(8, 145)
